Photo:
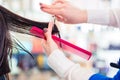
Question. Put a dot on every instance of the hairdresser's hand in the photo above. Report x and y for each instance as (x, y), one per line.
(65, 12)
(48, 44)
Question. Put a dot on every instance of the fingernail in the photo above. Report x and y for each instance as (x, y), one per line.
(41, 7)
(45, 30)
(40, 3)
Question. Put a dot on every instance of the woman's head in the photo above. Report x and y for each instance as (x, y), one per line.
(13, 22)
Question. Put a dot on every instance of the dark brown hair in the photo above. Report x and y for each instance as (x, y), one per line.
(13, 22)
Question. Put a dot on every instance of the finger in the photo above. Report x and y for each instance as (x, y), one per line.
(58, 1)
(44, 45)
(43, 42)
(52, 11)
(48, 31)
(61, 19)
(45, 5)
(50, 25)
(57, 6)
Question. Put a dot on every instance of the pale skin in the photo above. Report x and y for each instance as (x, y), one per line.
(48, 44)
(65, 12)
(62, 10)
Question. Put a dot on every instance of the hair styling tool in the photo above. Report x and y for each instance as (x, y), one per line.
(65, 45)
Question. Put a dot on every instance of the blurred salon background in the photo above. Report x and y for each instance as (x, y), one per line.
(101, 40)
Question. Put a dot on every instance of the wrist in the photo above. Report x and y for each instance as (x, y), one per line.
(96, 16)
(83, 16)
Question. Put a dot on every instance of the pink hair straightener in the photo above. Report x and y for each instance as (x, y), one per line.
(67, 46)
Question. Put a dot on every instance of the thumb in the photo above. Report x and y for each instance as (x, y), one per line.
(46, 33)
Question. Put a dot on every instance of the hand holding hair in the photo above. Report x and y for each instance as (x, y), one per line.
(48, 44)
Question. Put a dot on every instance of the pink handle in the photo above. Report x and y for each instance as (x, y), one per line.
(65, 45)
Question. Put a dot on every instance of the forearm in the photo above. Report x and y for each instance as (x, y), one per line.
(65, 68)
(81, 17)
(59, 63)
(98, 17)
(104, 17)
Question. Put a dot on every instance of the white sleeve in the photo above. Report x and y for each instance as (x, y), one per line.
(104, 17)
(65, 68)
